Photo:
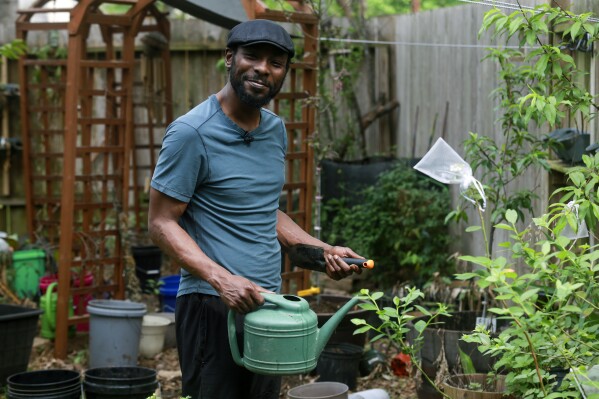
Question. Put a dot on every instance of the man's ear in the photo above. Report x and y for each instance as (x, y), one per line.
(229, 54)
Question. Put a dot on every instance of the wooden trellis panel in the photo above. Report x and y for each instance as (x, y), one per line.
(296, 103)
(86, 147)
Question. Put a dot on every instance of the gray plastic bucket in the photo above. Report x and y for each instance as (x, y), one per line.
(114, 332)
(319, 390)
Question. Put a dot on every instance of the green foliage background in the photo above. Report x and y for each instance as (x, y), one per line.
(386, 7)
(373, 7)
(399, 224)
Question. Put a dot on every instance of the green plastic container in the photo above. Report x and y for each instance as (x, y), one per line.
(48, 306)
(29, 266)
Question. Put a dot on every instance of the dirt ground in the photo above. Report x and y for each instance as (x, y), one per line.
(169, 374)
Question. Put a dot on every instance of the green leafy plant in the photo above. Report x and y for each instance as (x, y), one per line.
(540, 86)
(14, 49)
(394, 322)
(399, 223)
(545, 285)
(552, 306)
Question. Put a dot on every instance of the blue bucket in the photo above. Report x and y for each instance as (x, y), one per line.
(168, 292)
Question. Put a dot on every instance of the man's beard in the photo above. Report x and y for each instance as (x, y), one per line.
(247, 97)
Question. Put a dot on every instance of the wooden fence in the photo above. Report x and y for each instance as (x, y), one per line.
(444, 89)
(430, 63)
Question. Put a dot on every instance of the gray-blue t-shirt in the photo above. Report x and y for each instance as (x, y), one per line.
(231, 188)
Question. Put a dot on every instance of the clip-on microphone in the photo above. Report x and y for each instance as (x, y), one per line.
(247, 138)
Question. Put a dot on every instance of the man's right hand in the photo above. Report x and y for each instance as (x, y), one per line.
(240, 294)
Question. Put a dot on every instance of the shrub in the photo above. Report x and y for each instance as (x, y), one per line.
(399, 224)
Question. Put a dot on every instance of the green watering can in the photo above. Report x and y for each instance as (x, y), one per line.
(282, 336)
(48, 306)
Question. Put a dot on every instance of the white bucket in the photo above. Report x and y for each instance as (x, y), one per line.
(319, 390)
(153, 331)
(170, 339)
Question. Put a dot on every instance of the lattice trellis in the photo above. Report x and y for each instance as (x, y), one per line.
(91, 132)
(296, 104)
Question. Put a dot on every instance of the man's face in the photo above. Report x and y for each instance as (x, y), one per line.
(257, 73)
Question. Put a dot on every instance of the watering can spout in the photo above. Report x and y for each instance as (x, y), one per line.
(326, 331)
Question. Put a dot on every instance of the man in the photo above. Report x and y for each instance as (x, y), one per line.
(214, 210)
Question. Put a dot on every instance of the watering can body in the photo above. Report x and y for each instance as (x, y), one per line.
(282, 337)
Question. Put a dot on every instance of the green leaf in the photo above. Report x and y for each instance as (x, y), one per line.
(516, 311)
(391, 312)
(550, 113)
(500, 311)
(571, 309)
(479, 260)
(546, 248)
(377, 295)
(362, 330)
(422, 310)
(514, 25)
(368, 306)
(511, 216)
(466, 276)
(420, 326)
(471, 229)
(466, 361)
(574, 29)
(542, 64)
(377, 337)
(528, 294)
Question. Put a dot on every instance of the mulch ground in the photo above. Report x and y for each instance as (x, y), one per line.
(169, 374)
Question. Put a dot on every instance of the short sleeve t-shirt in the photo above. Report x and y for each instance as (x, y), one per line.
(231, 187)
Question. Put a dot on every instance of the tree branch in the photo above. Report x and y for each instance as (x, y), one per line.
(375, 113)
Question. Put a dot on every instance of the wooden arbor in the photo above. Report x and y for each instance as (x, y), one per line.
(91, 128)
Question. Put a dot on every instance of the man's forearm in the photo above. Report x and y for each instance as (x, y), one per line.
(290, 233)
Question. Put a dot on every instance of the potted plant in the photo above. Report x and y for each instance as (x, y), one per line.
(474, 386)
(444, 354)
(543, 282)
(145, 256)
(393, 323)
(552, 304)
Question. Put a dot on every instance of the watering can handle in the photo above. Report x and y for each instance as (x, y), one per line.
(233, 338)
(48, 303)
(283, 301)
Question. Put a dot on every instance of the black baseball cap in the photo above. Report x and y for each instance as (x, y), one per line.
(261, 31)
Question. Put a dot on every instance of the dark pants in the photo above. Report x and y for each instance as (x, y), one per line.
(208, 369)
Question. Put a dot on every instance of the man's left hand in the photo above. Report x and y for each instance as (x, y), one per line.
(336, 267)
